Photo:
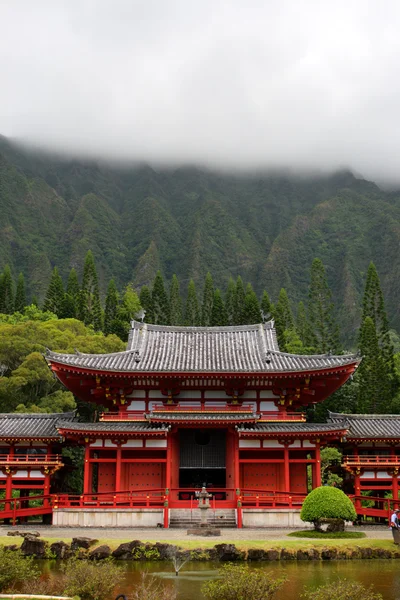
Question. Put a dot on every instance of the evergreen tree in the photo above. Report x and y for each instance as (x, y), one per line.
(252, 313)
(111, 307)
(240, 296)
(20, 294)
(283, 318)
(160, 302)
(266, 307)
(54, 299)
(192, 316)
(175, 302)
(324, 329)
(127, 310)
(371, 392)
(219, 316)
(70, 308)
(208, 298)
(89, 305)
(230, 301)
(6, 292)
(303, 327)
(146, 303)
(35, 301)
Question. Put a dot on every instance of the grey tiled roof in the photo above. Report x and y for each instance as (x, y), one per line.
(293, 427)
(117, 426)
(369, 426)
(161, 349)
(36, 425)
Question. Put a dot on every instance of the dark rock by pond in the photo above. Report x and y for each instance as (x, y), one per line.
(308, 554)
(166, 551)
(328, 553)
(11, 547)
(256, 554)
(273, 554)
(100, 553)
(228, 553)
(24, 533)
(32, 546)
(82, 542)
(288, 554)
(60, 549)
(365, 552)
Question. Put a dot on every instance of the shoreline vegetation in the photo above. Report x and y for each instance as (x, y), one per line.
(247, 550)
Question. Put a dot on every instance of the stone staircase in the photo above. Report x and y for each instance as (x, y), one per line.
(182, 518)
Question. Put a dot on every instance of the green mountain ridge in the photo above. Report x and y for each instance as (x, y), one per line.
(137, 219)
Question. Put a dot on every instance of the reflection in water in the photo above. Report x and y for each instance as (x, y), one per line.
(383, 574)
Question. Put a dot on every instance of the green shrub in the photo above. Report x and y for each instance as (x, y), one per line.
(91, 580)
(238, 582)
(15, 568)
(152, 589)
(342, 590)
(327, 503)
(328, 535)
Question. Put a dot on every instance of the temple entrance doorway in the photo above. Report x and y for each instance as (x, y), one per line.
(202, 458)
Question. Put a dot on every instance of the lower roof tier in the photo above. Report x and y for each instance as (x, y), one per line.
(368, 427)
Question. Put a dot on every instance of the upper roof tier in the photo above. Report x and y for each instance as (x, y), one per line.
(238, 349)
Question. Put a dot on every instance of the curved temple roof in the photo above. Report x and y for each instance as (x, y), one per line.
(162, 349)
(32, 425)
(368, 426)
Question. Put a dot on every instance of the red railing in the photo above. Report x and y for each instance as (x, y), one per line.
(153, 498)
(179, 408)
(252, 498)
(371, 460)
(29, 459)
(13, 508)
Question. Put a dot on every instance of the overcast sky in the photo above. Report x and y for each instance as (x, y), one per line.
(298, 83)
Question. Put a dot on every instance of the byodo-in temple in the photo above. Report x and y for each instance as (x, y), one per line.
(186, 407)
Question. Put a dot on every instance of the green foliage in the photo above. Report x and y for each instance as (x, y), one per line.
(20, 294)
(327, 503)
(6, 291)
(70, 308)
(146, 303)
(208, 298)
(230, 301)
(91, 580)
(239, 582)
(252, 313)
(175, 302)
(89, 302)
(324, 329)
(54, 301)
(219, 316)
(150, 588)
(160, 301)
(283, 318)
(371, 391)
(192, 314)
(266, 306)
(342, 590)
(328, 535)
(330, 457)
(111, 308)
(239, 306)
(14, 569)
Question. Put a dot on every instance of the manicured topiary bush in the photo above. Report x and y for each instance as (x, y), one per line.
(328, 505)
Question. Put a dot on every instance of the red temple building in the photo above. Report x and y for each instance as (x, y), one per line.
(187, 406)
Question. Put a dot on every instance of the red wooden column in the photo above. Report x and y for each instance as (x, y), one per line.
(168, 481)
(118, 469)
(9, 480)
(87, 483)
(357, 490)
(236, 482)
(395, 488)
(317, 464)
(286, 468)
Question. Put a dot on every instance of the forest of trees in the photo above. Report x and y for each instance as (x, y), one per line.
(75, 307)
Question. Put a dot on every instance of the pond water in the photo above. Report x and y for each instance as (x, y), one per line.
(383, 574)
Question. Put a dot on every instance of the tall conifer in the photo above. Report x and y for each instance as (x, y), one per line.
(208, 298)
(20, 294)
(71, 296)
(283, 318)
(192, 313)
(371, 392)
(6, 292)
(324, 329)
(230, 301)
(219, 316)
(303, 326)
(90, 307)
(266, 307)
(240, 295)
(54, 299)
(111, 307)
(175, 302)
(146, 303)
(160, 302)
(252, 313)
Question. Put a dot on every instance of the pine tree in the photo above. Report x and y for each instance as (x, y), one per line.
(160, 302)
(239, 310)
(324, 329)
(71, 297)
(303, 326)
(90, 307)
(54, 299)
(230, 301)
(219, 316)
(266, 307)
(146, 303)
(111, 307)
(20, 294)
(6, 292)
(252, 313)
(283, 318)
(175, 302)
(374, 309)
(192, 315)
(208, 298)
(371, 392)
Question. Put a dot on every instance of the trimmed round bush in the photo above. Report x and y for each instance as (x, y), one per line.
(325, 504)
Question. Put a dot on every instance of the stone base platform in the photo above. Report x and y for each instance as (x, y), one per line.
(111, 517)
(204, 531)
